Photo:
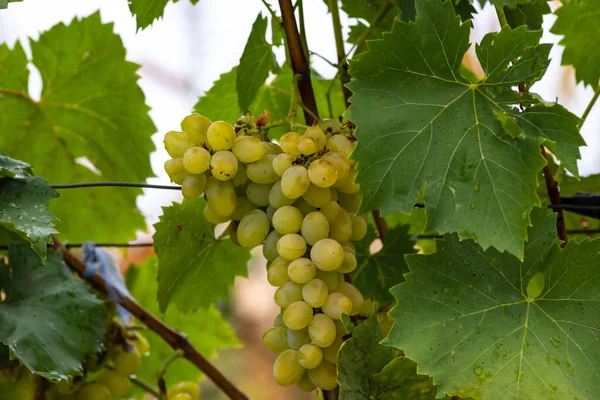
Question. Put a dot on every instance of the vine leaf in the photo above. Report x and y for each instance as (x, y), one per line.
(256, 62)
(195, 268)
(420, 124)
(91, 109)
(465, 317)
(148, 11)
(50, 320)
(368, 370)
(24, 207)
(377, 273)
(530, 13)
(579, 22)
(207, 330)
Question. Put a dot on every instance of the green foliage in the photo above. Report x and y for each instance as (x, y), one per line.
(368, 11)
(256, 62)
(464, 315)
(205, 329)
(92, 107)
(4, 3)
(420, 124)
(13, 168)
(570, 186)
(367, 370)
(530, 14)
(192, 261)
(148, 11)
(377, 273)
(50, 320)
(579, 22)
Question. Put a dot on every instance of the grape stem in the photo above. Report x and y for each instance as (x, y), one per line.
(590, 105)
(554, 195)
(175, 339)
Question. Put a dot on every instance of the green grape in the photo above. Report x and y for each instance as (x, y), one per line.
(297, 339)
(315, 292)
(340, 163)
(185, 387)
(322, 173)
(385, 322)
(276, 197)
(295, 182)
(291, 246)
(341, 228)
(287, 294)
(276, 340)
(340, 144)
(340, 329)
(94, 391)
(177, 143)
(301, 270)
(240, 179)
(278, 322)
(289, 143)
(334, 194)
(316, 196)
(262, 171)
(353, 294)
(175, 170)
(286, 369)
(259, 194)
(248, 149)
(305, 384)
(330, 278)
(303, 206)
(141, 344)
(367, 308)
(277, 272)
(324, 376)
(307, 146)
(287, 219)
(221, 135)
(223, 165)
(350, 202)
(349, 264)
(270, 212)
(310, 356)
(253, 229)
(349, 248)
(282, 162)
(221, 197)
(330, 353)
(359, 227)
(242, 207)
(181, 396)
(327, 254)
(196, 160)
(322, 330)
(213, 218)
(336, 305)
(331, 211)
(232, 230)
(64, 387)
(117, 384)
(127, 362)
(270, 246)
(316, 134)
(196, 127)
(297, 315)
(314, 228)
(272, 148)
(329, 125)
(349, 186)
(193, 186)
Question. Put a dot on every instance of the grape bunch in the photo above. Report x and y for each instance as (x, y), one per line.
(299, 200)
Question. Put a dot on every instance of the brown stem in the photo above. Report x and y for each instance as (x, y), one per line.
(554, 195)
(175, 339)
(380, 223)
(298, 60)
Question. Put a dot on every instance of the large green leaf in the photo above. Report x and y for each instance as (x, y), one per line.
(24, 211)
(377, 273)
(530, 14)
(471, 318)
(420, 124)
(206, 329)
(148, 11)
(91, 107)
(13, 168)
(579, 22)
(255, 64)
(50, 320)
(400, 380)
(195, 268)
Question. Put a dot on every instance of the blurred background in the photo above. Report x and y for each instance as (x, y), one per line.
(180, 56)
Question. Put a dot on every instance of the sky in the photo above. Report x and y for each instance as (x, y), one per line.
(184, 52)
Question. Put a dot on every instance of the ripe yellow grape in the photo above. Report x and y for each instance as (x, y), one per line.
(331, 279)
(341, 228)
(221, 135)
(329, 125)
(181, 396)
(340, 144)
(336, 305)
(295, 181)
(185, 387)
(272, 148)
(310, 356)
(175, 170)
(322, 330)
(270, 246)
(350, 202)
(350, 185)
(330, 353)
(289, 143)
(359, 227)
(221, 197)
(286, 369)
(316, 134)
(324, 376)
(196, 127)
(248, 149)
(253, 228)
(297, 339)
(223, 165)
(353, 294)
(94, 391)
(240, 180)
(317, 196)
(118, 384)
(282, 162)
(277, 272)
(331, 210)
(340, 163)
(193, 186)
(259, 193)
(297, 315)
(196, 160)
(287, 294)
(349, 264)
(315, 292)
(291, 246)
(276, 197)
(262, 171)
(127, 362)
(322, 173)
(177, 143)
(301, 270)
(314, 228)
(242, 207)
(213, 218)
(303, 206)
(276, 340)
(287, 219)
(305, 384)
(327, 254)
(307, 146)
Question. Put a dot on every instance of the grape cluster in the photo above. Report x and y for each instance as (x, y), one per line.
(299, 199)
